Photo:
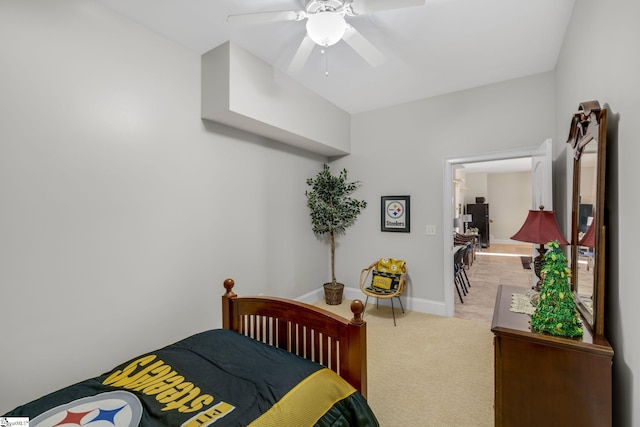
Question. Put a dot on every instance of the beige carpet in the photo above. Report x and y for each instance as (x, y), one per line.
(428, 370)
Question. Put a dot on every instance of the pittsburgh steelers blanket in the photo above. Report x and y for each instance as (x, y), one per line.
(215, 378)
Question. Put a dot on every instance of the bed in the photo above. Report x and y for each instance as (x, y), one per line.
(275, 362)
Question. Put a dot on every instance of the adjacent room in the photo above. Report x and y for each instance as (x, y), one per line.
(149, 151)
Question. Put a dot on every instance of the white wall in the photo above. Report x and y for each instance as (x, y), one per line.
(121, 211)
(476, 187)
(599, 60)
(401, 150)
(510, 198)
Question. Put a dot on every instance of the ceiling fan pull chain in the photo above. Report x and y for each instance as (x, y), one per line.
(326, 62)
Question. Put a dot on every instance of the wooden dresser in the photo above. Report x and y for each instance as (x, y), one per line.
(541, 380)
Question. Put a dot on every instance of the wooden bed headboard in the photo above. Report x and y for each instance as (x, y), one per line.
(308, 331)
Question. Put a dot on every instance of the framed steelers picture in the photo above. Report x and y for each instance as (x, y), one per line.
(394, 213)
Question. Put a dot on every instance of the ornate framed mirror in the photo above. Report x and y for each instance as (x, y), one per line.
(587, 137)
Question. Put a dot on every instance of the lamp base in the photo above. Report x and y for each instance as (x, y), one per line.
(538, 263)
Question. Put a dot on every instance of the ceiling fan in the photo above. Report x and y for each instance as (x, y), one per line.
(326, 25)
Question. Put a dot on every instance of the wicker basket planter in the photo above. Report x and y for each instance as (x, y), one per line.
(333, 293)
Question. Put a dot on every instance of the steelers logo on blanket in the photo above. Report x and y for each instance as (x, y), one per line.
(114, 408)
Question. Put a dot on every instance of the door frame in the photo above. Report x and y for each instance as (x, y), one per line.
(448, 192)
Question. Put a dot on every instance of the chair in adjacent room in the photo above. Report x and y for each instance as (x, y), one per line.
(386, 279)
(472, 243)
(460, 278)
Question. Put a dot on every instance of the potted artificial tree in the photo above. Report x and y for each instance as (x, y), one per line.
(332, 212)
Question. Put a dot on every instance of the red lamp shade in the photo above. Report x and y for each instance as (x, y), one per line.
(540, 227)
(589, 238)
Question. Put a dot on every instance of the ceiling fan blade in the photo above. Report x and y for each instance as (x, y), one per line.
(359, 7)
(302, 54)
(363, 47)
(262, 17)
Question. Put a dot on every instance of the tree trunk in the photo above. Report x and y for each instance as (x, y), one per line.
(333, 251)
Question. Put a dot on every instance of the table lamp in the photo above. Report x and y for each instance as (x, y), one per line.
(540, 227)
(466, 219)
(589, 238)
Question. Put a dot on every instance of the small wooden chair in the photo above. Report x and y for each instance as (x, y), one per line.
(388, 281)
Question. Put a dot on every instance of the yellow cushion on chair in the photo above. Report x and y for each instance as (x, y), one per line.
(382, 282)
(390, 265)
(386, 276)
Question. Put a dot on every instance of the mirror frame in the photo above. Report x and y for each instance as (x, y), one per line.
(590, 122)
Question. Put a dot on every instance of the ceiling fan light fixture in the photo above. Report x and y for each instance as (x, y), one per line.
(326, 28)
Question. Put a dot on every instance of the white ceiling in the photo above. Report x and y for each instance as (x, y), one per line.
(441, 47)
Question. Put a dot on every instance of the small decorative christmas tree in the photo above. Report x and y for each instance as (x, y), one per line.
(556, 312)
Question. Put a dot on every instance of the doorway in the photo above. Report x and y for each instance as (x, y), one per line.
(542, 193)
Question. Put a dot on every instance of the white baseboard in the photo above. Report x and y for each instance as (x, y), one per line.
(419, 305)
(312, 297)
